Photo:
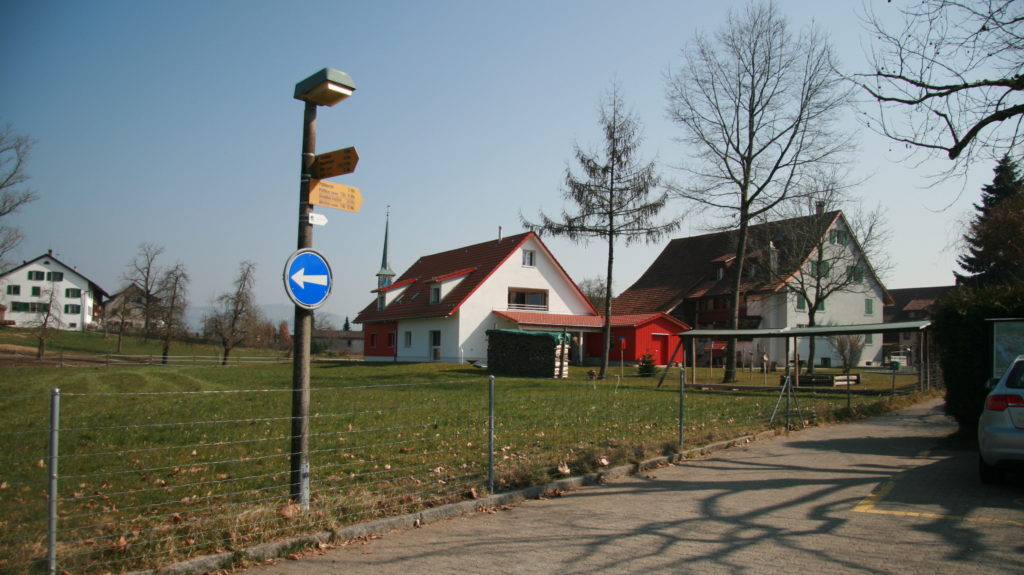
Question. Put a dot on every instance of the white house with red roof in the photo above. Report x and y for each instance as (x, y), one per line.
(441, 308)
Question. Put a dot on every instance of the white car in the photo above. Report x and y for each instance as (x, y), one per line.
(1001, 425)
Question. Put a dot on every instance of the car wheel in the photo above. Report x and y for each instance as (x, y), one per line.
(989, 474)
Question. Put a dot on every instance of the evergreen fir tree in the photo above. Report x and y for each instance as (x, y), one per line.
(986, 262)
(616, 197)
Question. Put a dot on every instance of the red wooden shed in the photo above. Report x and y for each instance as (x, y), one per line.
(636, 335)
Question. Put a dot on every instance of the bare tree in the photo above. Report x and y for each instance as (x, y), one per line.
(49, 317)
(596, 291)
(264, 334)
(14, 151)
(284, 336)
(829, 253)
(173, 289)
(948, 79)
(144, 272)
(612, 197)
(848, 348)
(758, 108)
(235, 313)
(121, 309)
(323, 322)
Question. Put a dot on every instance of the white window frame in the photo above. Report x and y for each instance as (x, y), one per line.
(529, 259)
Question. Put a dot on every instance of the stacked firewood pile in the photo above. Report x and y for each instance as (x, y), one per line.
(534, 354)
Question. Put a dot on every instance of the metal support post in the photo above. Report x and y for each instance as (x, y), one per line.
(490, 436)
(51, 539)
(849, 392)
(682, 407)
(299, 469)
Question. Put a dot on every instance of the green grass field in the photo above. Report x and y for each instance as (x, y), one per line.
(90, 343)
(163, 463)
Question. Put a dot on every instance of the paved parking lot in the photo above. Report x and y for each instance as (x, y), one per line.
(885, 495)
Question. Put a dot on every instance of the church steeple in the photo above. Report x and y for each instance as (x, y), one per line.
(385, 275)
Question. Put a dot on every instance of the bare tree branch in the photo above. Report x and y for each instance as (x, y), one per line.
(14, 151)
(173, 287)
(758, 108)
(144, 272)
(948, 78)
(236, 314)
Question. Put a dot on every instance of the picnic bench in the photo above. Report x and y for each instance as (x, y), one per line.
(823, 379)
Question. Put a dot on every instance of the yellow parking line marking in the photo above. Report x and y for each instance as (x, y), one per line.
(868, 505)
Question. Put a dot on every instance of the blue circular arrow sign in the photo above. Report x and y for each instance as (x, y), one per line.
(308, 279)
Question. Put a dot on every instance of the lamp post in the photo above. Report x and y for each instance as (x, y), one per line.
(325, 88)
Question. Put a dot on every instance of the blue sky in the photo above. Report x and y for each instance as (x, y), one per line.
(174, 123)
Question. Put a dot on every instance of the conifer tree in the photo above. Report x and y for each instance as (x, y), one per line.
(992, 253)
(613, 197)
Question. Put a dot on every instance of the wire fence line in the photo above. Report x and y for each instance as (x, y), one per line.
(67, 359)
(145, 479)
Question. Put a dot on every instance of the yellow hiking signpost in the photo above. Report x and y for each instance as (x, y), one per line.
(336, 163)
(337, 196)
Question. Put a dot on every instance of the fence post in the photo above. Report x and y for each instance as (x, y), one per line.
(682, 411)
(51, 537)
(490, 436)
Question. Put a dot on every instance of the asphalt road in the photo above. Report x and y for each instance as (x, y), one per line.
(884, 495)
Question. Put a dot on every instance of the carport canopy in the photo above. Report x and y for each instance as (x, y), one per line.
(796, 332)
(824, 330)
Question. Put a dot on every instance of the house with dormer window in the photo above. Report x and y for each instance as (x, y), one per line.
(794, 267)
(441, 308)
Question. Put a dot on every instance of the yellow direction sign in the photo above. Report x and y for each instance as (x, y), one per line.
(337, 196)
(336, 163)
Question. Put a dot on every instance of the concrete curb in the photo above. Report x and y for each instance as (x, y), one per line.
(262, 552)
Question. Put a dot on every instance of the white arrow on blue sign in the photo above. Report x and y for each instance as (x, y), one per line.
(308, 279)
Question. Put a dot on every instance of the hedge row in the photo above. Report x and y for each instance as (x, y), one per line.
(963, 335)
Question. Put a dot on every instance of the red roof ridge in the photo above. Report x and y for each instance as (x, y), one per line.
(395, 285)
(450, 275)
(579, 320)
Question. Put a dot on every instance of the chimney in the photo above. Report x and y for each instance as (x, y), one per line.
(819, 207)
(499, 234)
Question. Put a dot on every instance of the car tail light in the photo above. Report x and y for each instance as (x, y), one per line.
(1002, 401)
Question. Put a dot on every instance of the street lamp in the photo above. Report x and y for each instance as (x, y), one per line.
(325, 88)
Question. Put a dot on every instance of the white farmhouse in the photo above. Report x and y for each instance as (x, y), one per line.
(43, 284)
(792, 266)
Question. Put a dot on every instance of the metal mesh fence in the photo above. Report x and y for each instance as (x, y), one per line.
(147, 479)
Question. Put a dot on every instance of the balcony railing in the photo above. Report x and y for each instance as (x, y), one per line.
(527, 307)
